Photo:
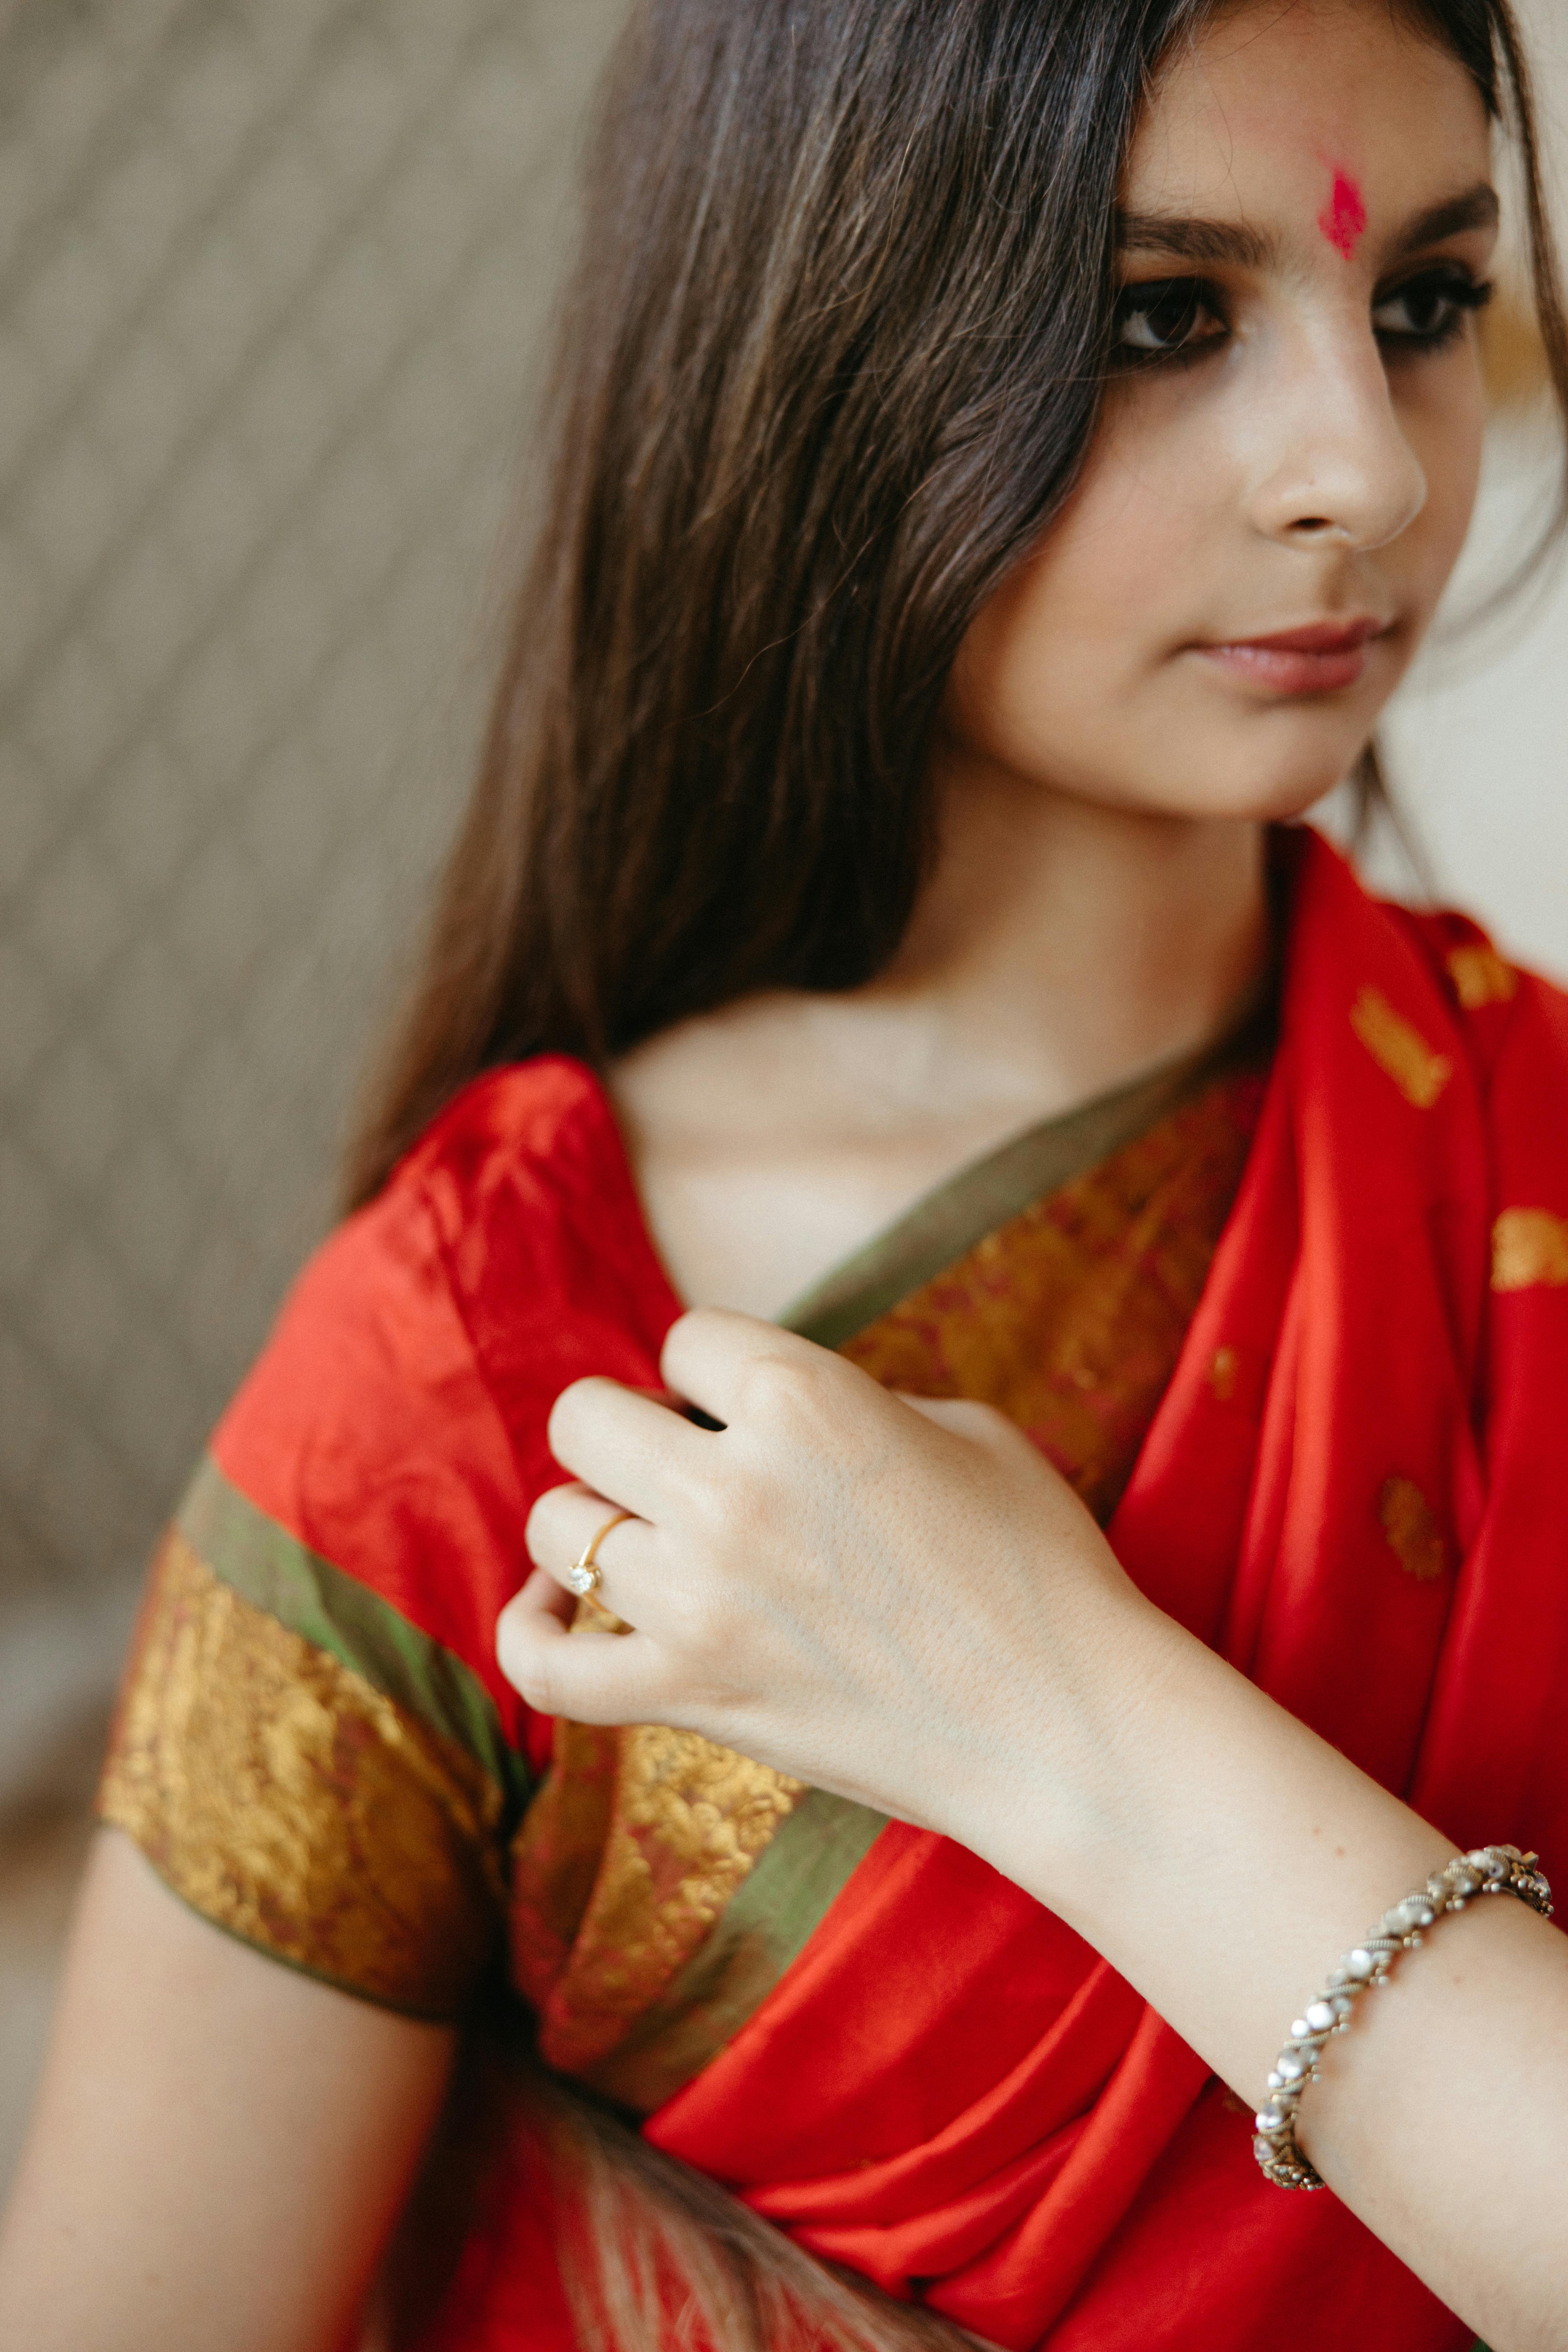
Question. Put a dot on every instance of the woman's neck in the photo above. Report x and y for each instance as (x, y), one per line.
(1059, 949)
(1072, 943)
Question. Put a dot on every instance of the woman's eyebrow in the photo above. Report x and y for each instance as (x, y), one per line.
(1194, 240)
(1476, 208)
(1181, 239)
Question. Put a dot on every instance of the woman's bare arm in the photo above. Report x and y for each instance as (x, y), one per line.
(221, 2145)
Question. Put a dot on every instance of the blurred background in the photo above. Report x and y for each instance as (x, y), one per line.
(272, 285)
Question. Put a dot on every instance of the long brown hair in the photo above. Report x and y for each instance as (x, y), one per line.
(829, 365)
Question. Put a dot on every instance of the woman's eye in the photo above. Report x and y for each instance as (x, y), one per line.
(1429, 309)
(1171, 316)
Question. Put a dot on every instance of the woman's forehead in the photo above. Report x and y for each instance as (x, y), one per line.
(1316, 117)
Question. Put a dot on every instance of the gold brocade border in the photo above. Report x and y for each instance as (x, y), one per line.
(627, 1856)
(1071, 1319)
(289, 1801)
(258, 1558)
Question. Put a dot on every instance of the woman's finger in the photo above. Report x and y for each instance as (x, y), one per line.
(626, 1443)
(582, 1672)
(545, 1593)
(562, 1525)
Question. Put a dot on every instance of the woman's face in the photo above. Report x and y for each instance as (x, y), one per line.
(1288, 453)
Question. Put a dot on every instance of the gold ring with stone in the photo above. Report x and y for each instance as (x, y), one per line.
(585, 1576)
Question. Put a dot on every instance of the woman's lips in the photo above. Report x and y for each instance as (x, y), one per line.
(1324, 657)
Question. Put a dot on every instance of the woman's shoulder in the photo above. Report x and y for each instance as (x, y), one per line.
(318, 1629)
(522, 1191)
(394, 1424)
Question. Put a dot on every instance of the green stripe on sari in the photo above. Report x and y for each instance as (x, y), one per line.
(334, 1612)
(764, 1927)
(950, 1221)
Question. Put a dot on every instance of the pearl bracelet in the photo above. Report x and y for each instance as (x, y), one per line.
(1489, 1870)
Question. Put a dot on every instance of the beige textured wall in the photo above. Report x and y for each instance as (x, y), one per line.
(271, 279)
(272, 273)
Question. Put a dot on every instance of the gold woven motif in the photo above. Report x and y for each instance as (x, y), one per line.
(624, 1861)
(1480, 977)
(1400, 1050)
(1530, 1248)
(1413, 1536)
(284, 1797)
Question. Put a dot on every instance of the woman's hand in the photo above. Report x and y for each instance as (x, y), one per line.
(895, 1600)
(901, 1601)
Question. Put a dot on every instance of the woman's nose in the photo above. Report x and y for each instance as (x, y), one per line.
(1340, 467)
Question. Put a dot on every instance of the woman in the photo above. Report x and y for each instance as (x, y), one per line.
(1008, 455)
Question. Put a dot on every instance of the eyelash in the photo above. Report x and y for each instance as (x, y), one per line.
(1194, 296)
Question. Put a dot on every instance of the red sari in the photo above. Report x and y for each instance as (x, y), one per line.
(1349, 1486)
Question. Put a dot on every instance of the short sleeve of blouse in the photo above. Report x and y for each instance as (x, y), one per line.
(313, 1745)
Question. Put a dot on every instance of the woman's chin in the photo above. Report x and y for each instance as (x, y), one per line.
(1251, 795)
(1267, 782)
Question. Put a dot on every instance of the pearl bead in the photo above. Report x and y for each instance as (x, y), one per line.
(1319, 2017)
(1359, 1964)
(1270, 2119)
(1290, 2067)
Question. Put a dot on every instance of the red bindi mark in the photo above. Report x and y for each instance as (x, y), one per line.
(1344, 217)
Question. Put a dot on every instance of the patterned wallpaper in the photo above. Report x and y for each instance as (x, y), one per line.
(271, 278)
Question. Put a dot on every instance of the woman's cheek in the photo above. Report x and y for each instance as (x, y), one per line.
(1117, 583)
(1447, 432)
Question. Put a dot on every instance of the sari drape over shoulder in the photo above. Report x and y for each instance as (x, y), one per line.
(1295, 1325)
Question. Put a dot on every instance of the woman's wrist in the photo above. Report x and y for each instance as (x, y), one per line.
(1060, 1789)
(1213, 1848)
